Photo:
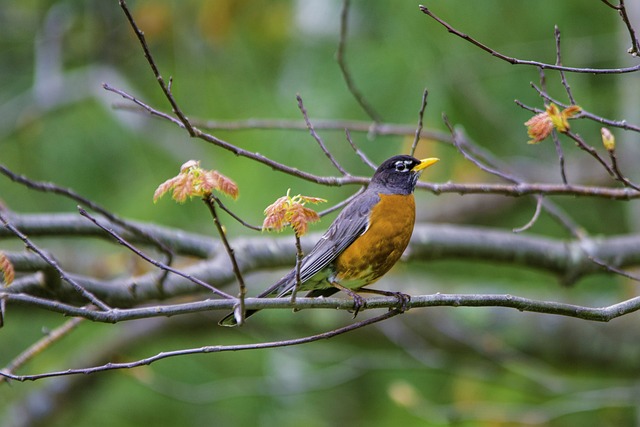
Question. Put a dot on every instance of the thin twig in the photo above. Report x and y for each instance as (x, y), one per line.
(516, 61)
(341, 204)
(556, 33)
(207, 349)
(616, 170)
(423, 106)
(622, 124)
(341, 58)
(150, 260)
(233, 215)
(293, 125)
(211, 204)
(317, 138)
(330, 181)
(299, 256)
(48, 187)
(143, 106)
(39, 346)
(359, 152)
(534, 218)
(543, 79)
(615, 270)
(166, 89)
(461, 150)
(518, 190)
(30, 245)
(491, 167)
(560, 153)
(3, 307)
(592, 151)
(611, 5)
(635, 45)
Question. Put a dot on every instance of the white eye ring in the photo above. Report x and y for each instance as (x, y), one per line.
(403, 165)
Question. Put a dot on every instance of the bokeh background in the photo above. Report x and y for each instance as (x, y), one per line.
(235, 60)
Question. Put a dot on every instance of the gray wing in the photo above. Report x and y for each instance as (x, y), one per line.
(348, 225)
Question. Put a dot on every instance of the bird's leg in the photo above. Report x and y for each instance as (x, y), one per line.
(403, 299)
(358, 302)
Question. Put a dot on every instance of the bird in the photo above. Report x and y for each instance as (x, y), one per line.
(364, 241)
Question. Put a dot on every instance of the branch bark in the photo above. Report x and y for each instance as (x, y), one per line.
(568, 260)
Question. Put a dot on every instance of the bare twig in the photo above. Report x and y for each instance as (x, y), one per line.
(359, 152)
(331, 181)
(150, 260)
(299, 256)
(560, 153)
(616, 171)
(341, 58)
(142, 106)
(211, 204)
(39, 346)
(233, 215)
(30, 245)
(461, 144)
(472, 159)
(423, 106)
(635, 45)
(207, 349)
(165, 88)
(319, 140)
(341, 204)
(601, 314)
(293, 125)
(534, 218)
(48, 187)
(516, 61)
(556, 33)
(608, 267)
(592, 152)
(519, 190)
(622, 10)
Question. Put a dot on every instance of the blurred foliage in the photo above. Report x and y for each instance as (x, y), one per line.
(233, 60)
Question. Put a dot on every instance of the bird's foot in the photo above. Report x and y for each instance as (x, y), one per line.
(358, 303)
(404, 301)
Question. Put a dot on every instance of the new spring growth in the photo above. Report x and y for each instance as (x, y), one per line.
(193, 181)
(608, 140)
(288, 210)
(540, 126)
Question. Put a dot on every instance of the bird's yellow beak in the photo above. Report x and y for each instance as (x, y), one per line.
(425, 163)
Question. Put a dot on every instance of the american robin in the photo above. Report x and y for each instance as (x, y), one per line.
(364, 241)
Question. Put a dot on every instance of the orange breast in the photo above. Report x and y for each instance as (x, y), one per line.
(380, 247)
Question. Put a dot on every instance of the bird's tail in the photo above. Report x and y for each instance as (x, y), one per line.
(279, 289)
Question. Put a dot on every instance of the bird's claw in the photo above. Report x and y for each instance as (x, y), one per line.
(404, 301)
(358, 304)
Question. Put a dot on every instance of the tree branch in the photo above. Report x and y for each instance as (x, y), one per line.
(568, 260)
(516, 61)
(208, 349)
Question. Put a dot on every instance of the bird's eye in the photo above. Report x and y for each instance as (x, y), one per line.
(402, 166)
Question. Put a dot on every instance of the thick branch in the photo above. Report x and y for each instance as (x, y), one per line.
(569, 260)
(66, 224)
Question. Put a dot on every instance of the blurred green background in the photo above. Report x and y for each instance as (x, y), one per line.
(234, 60)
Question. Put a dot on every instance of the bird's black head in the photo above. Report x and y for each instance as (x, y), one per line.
(399, 174)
